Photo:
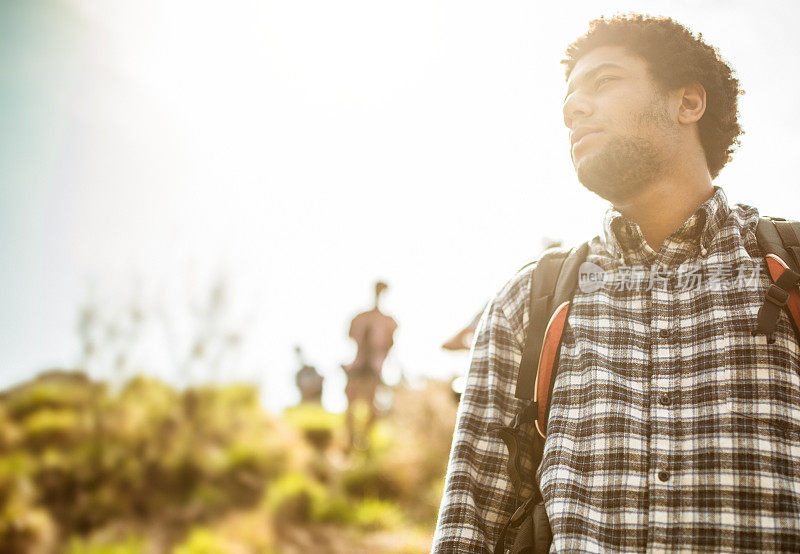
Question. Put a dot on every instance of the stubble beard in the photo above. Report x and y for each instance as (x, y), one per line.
(628, 164)
(624, 167)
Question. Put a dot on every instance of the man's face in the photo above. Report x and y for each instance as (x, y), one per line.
(622, 133)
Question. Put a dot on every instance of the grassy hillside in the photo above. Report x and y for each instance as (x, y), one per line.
(150, 469)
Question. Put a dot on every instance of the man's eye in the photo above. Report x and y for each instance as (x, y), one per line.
(602, 80)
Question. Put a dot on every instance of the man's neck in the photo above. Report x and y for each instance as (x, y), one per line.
(661, 208)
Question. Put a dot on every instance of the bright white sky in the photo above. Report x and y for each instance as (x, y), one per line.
(305, 149)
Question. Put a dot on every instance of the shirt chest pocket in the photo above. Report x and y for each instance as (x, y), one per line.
(763, 386)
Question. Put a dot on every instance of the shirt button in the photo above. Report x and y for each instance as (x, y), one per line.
(663, 476)
(665, 400)
(664, 333)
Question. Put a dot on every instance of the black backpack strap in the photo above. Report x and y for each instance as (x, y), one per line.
(564, 291)
(782, 238)
(543, 285)
(531, 505)
(512, 435)
(553, 281)
(789, 232)
(534, 535)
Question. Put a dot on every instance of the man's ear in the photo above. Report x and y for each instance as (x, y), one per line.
(693, 103)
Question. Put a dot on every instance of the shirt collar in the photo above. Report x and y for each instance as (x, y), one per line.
(623, 238)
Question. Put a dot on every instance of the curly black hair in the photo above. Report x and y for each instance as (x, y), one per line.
(675, 58)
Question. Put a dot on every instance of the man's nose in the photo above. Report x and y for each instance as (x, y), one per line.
(576, 106)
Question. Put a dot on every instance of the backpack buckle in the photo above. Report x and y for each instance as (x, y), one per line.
(527, 415)
(777, 295)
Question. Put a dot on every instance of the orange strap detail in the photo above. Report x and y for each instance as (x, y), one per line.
(547, 359)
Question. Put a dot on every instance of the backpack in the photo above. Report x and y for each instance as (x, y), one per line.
(552, 286)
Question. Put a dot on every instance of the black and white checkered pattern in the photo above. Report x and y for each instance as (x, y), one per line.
(672, 428)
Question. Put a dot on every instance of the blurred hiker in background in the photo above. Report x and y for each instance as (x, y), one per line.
(373, 332)
(308, 380)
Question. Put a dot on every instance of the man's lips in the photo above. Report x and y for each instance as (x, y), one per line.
(579, 134)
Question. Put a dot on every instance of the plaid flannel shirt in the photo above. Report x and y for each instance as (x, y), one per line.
(672, 428)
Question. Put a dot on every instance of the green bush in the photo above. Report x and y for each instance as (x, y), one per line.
(297, 497)
(15, 466)
(10, 433)
(201, 541)
(78, 462)
(48, 426)
(25, 527)
(54, 390)
(130, 545)
(374, 514)
(317, 425)
(241, 534)
(372, 477)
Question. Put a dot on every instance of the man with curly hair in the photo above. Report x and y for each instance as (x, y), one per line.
(672, 426)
